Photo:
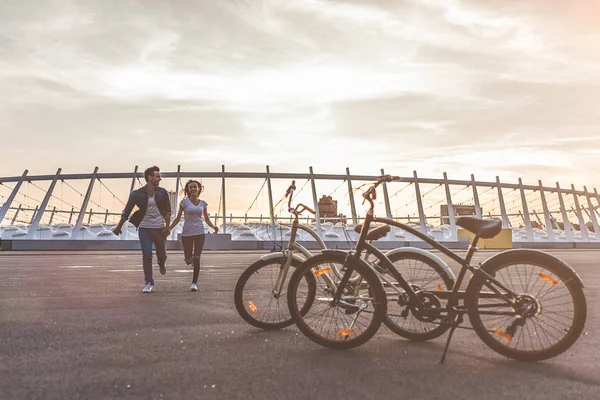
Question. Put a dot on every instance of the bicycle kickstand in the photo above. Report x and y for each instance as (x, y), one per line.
(455, 324)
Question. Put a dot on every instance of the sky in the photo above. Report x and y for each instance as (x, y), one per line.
(495, 87)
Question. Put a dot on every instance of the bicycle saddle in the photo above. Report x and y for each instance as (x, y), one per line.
(484, 228)
(374, 233)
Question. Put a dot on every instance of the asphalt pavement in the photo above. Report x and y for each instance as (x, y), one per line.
(75, 325)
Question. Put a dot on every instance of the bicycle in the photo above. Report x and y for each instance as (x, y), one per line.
(504, 318)
(249, 296)
(260, 288)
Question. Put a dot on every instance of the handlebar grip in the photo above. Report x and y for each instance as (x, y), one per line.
(310, 209)
(300, 208)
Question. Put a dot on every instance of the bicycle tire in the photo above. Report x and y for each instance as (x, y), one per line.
(429, 330)
(559, 276)
(248, 311)
(347, 337)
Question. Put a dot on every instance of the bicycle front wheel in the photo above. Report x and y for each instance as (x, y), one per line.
(344, 324)
(543, 320)
(255, 298)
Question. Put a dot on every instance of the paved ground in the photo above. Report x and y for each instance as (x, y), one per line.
(76, 325)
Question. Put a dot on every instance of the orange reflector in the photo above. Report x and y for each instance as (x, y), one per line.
(322, 271)
(346, 332)
(440, 287)
(388, 304)
(548, 279)
(252, 306)
(502, 334)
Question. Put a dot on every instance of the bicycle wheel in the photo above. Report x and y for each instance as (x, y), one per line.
(254, 298)
(348, 323)
(549, 313)
(425, 276)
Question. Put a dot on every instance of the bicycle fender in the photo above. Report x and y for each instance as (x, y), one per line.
(335, 251)
(528, 254)
(296, 256)
(424, 253)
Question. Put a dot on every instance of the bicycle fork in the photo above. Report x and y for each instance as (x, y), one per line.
(282, 273)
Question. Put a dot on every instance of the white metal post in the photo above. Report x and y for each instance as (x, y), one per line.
(526, 212)
(386, 198)
(40, 213)
(351, 196)
(11, 197)
(582, 226)
(271, 211)
(422, 218)
(223, 198)
(547, 216)
(176, 205)
(505, 220)
(592, 214)
(86, 200)
(566, 222)
(133, 179)
(451, 217)
(476, 197)
(315, 201)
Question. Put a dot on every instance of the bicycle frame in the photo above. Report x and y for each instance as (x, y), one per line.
(425, 305)
(452, 296)
(295, 246)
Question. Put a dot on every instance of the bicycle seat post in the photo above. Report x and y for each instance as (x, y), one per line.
(471, 250)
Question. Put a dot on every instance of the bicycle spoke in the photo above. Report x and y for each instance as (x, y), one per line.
(534, 286)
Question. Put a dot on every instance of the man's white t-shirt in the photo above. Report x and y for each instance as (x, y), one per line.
(152, 218)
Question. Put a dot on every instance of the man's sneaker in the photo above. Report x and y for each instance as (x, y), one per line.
(148, 288)
(194, 287)
(163, 268)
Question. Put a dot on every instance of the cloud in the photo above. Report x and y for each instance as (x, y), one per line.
(489, 87)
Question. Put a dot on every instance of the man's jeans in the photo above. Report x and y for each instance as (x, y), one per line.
(148, 236)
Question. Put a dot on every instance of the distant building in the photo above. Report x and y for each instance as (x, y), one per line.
(327, 207)
(328, 210)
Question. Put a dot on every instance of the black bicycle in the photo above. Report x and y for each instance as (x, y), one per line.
(524, 304)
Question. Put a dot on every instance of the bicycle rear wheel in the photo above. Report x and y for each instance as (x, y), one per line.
(426, 276)
(549, 312)
(348, 323)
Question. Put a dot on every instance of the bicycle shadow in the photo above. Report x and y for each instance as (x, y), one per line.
(544, 369)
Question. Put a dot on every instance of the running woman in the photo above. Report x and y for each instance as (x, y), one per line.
(193, 233)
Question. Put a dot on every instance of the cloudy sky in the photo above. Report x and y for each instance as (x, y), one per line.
(492, 87)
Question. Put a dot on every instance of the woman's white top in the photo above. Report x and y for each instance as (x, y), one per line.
(193, 223)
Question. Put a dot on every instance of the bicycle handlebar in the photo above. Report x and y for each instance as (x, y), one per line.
(300, 208)
(371, 193)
